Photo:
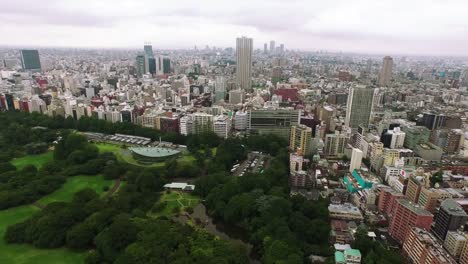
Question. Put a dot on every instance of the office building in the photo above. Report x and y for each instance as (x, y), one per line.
(244, 48)
(222, 126)
(415, 135)
(387, 200)
(393, 139)
(335, 145)
(406, 215)
(464, 254)
(421, 247)
(450, 217)
(220, 88)
(140, 65)
(359, 106)
(429, 198)
(272, 46)
(241, 121)
(300, 140)
(30, 60)
(148, 50)
(428, 151)
(455, 139)
(432, 121)
(413, 189)
(265, 48)
(166, 67)
(273, 121)
(386, 72)
(454, 243)
(345, 211)
(202, 123)
(282, 48)
(356, 159)
(236, 96)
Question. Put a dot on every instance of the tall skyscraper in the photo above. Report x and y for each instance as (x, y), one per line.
(359, 106)
(265, 48)
(140, 65)
(30, 60)
(272, 46)
(282, 48)
(244, 48)
(148, 50)
(386, 71)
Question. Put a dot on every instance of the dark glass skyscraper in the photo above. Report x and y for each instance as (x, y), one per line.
(30, 60)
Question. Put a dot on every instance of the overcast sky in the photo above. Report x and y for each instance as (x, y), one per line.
(375, 26)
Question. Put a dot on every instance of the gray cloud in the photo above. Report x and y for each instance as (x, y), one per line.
(364, 25)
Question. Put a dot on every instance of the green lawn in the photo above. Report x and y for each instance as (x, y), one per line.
(36, 160)
(73, 185)
(106, 147)
(176, 199)
(26, 254)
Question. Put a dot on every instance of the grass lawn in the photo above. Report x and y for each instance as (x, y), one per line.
(106, 147)
(176, 199)
(26, 254)
(36, 160)
(75, 184)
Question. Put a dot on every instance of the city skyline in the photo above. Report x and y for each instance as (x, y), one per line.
(361, 26)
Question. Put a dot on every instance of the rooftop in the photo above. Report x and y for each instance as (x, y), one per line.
(414, 207)
(154, 152)
(453, 207)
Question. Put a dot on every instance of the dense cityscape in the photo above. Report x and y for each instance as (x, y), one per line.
(232, 155)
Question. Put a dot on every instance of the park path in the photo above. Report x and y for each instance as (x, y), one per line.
(114, 188)
(38, 205)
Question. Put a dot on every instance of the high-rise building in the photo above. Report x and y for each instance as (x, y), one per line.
(300, 140)
(151, 65)
(335, 144)
(405, 216)
(166, 65)
(454, 141)
(236, 96)
(454, 243)
(356, 159)
(148, 50)
(429, 198)
(202, 123)
(276, 121)
(393, 139)
(386, 72)
(282, 48)
(240, 120)
(432, 121)
(140, 65)
(359, 106)
(30, 60)
(265, 48)
(413, 189)
(422, 247)
(464, 254)
(415, 135)
(272, 46)
(244, 48)
(220, 88)
(450, 217)
(222, 126)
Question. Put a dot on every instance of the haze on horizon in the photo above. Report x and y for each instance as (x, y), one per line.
(419, 27)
